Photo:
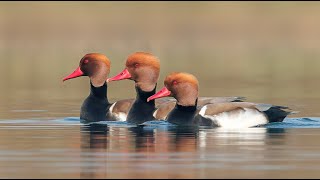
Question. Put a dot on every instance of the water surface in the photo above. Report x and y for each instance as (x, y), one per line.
(65, 148)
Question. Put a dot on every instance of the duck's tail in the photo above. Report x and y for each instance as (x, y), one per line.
(278, 113)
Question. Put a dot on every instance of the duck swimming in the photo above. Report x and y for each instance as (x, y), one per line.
(96, 106)
(184, 88)
(144, 68)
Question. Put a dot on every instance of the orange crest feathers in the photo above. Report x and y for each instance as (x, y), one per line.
(144, 59)
(98, 57)
(181, 77)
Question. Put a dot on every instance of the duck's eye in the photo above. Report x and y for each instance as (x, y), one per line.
(85, 61)
(174, 82)
(136, 65)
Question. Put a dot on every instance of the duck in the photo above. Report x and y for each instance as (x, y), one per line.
(144, 69)
(187, 112)
(96, 107)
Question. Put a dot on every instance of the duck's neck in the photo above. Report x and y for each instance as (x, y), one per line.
(188, 98)
(141, 110)
(183, 115)
(99, 92)
(146, 87)
(96, 105)
(143, 95)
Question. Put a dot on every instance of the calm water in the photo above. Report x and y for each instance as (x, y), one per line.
(41, 147)
(266, 52)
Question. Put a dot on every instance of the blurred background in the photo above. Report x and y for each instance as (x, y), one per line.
(266, 51)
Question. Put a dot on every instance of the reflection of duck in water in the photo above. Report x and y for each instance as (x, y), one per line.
(184, 88)
(94, 143)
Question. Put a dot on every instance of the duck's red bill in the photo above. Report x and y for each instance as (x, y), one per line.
(162, 93)
(75, 74)
(122, 75)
